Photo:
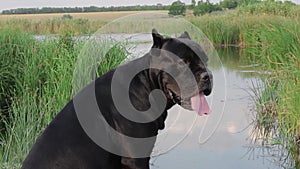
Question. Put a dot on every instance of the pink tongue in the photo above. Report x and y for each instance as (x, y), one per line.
(199, 104)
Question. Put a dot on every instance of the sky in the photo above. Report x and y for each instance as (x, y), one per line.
(11, 4)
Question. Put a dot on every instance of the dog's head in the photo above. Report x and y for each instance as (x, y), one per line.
(187, 62)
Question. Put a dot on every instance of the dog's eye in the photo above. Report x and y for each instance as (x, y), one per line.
(187, 62)
(198, 68)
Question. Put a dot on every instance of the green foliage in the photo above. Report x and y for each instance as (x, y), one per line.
(112, 58)
(247, 2)
(273, 42)
(221, 30)
(286, 8)
(205, 7)
(65, 39)
(67, 16)
(177, 8)
(36, 80)
(277, 49)
(193, 3)
(235, 28)
(42, 89)
(12, 53)
(230, 4)
(55, 26)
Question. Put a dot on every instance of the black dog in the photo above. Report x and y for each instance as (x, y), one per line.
(65, 144)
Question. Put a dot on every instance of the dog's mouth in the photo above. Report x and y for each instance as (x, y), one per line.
(196, 102)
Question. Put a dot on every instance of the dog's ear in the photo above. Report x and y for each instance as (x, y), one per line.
(157, 39)
(185, 35)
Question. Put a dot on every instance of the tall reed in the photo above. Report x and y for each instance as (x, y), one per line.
(39, 79)
(271, 40)
(278, 51)
(287, 9)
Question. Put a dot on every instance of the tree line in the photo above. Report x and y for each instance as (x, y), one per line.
(203, 7)
(84, 9)
(200, 7)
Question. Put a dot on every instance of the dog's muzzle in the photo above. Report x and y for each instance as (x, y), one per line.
(206, 82)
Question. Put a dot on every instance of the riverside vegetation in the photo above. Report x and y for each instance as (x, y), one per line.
(270, 35)
(36, 76)
(36, 82)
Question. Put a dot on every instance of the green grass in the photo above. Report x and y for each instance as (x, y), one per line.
(36, 82)
(286, 9)
(55, 25)
(278, 51)
(232, 29)
(277, 120)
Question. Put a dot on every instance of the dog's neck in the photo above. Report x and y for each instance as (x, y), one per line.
(154, 80)
(149, 80)
(157, 83)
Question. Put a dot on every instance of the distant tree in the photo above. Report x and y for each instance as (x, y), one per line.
(200, 8)
(84, 9)
(229, 4)
(177, 8)
(67, 16)
(247, 2)
(193, 3)
(205, 7)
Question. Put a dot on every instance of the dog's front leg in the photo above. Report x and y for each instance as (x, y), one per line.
(135, 163)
